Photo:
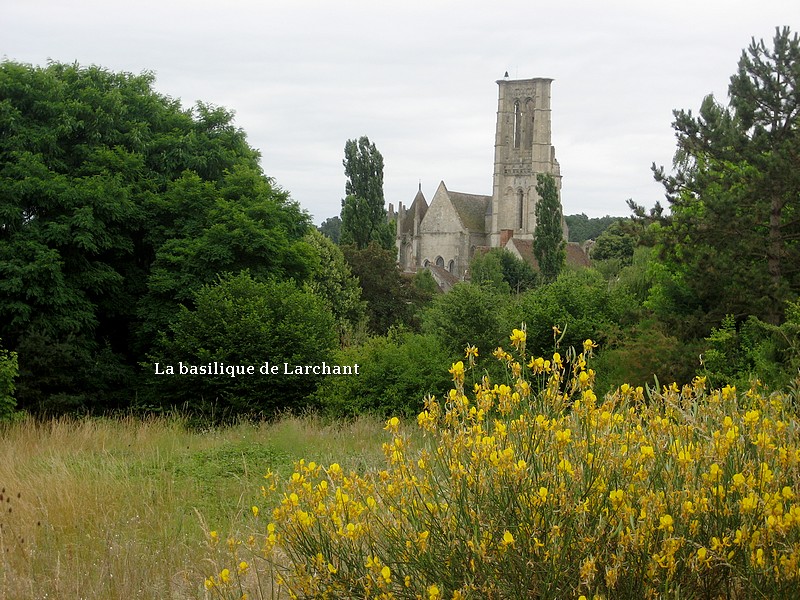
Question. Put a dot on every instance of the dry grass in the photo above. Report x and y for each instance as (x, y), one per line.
(115, 509)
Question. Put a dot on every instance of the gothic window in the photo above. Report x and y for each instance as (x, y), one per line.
(530, 134)
(520, 209)
(517, 124)
(439, 262)
(425, 263)
(451, 266)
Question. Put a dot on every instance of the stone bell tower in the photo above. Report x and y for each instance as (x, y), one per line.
(522, 150)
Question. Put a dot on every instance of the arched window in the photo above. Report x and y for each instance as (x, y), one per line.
(425, 263)
(451, 266)
(520, 209)
(439, 262)
(517, 124)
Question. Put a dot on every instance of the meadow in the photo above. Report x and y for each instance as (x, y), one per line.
(121, 508)
(531, 486)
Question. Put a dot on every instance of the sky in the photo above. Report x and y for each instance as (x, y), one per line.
(418, 78)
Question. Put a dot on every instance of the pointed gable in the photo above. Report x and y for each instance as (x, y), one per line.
(419, 205)
(452, 212)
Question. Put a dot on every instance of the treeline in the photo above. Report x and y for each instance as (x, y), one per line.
(135, 231)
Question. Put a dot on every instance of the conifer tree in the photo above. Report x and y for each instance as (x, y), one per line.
(733, 241)
(549, 246)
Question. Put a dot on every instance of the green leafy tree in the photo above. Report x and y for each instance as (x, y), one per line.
(502, 270)
(486, 268)
(243, 321)
(382, 286)
(364, 217)
(116, 204)
(733, 237)
(238, 222)
(549, 246)
(332, 228)
(615, 243)
(583, 228)
(333, 281)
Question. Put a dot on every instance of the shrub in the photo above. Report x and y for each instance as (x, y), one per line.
(578, 301)
(8, 372)
(244, 322)
(535, 488)
(754, 349)
(395, 373)
(467, 314)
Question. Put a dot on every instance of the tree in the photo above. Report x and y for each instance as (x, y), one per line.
(333, 281)
(615, 243)
(734, 238)
(364, 217)
(582, 228)
(332, 227)
(242, 321)
(381, 286)
(117, 204)
(549, 246)
(502, 270)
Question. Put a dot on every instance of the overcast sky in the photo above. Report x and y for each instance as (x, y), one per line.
(418, 78)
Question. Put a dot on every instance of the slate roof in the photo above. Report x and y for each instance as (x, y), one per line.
(444, 278)
(471, 209)
(576, 257)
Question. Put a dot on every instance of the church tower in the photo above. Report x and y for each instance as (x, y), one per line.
(522, 150)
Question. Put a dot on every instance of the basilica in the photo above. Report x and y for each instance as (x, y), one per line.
(444, 235)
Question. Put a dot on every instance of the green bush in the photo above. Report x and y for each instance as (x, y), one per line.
(467, 314)
(644, 354)
(396, 372)
(8, 372)
(579, 302)
(738, 353)
(241, 321)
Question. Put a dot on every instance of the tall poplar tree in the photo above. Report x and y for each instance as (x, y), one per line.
(364, 217)
(549, 246)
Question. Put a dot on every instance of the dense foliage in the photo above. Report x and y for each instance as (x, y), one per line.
(237, 323)
(116, 205)
(501, 269)
(548, 241)
(396, 372)
(583, 228)
(733, 244)
(8, 372)
(364, 218)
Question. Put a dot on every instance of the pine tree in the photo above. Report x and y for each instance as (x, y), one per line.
(734, 237)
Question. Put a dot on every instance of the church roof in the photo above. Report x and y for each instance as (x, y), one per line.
(420, 204)
(576, 257)
(471, 209)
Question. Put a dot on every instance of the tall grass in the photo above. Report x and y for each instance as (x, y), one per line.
(101, 508)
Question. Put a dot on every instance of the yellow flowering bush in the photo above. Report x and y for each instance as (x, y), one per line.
(536, 488)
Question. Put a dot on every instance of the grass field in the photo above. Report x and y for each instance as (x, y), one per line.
(120, 509)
